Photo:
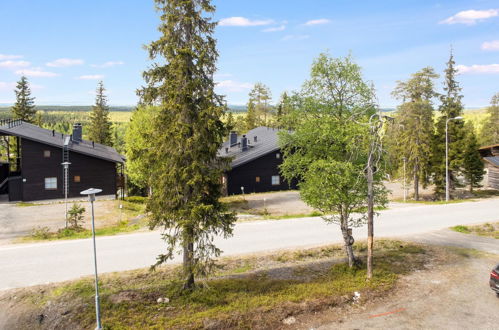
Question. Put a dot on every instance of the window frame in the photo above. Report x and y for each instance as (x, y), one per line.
(76, 176)
(275, 182)
(49, 185)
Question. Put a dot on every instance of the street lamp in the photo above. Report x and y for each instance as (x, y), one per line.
(91, 197)
(447, 195)
(65, 165)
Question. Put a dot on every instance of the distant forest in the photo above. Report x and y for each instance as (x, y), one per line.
(87, 108)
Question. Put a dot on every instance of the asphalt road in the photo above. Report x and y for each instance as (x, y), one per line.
(31, 264)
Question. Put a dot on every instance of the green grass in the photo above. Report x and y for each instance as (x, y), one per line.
(25, 204)
(246, 296)
(487, 230)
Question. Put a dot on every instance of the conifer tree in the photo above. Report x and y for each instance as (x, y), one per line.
(258, 105)
(100, 126)
(24, 108)
(415, 115)
(490, 129)
(450, 107)
(472, 165)
(184, 165)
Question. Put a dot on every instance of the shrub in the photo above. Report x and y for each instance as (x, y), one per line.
(136, 199)
(75, 215)
(40, 232)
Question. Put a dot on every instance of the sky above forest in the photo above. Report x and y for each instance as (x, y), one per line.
(66, 47)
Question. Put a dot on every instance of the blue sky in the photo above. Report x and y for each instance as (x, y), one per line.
(65, 47)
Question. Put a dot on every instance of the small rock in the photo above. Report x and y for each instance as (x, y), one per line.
(163, 300)
(160, 300)
(289, 320)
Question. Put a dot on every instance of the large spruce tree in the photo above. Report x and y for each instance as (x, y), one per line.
(450, 107)
(24, 108)
(183, 163)
(472, 165)
(415, 116)
(100, 126)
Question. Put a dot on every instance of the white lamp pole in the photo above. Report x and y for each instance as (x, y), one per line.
(91, 197)
(66, 187)
(447, 194)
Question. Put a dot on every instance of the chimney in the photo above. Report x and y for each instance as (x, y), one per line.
(77, 132)
(255, 139)
(233, 138)
(226, 150)
(53, 132)
(244, 143)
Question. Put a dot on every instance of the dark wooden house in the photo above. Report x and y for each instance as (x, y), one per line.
(490, 156)
(34, 169)
(256, 157)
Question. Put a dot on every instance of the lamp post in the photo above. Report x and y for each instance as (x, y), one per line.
(91, 197)
(370, 190)
(65, 165)
(447, 194)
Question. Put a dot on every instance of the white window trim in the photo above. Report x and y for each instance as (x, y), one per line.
(275, 182)
(51, 183)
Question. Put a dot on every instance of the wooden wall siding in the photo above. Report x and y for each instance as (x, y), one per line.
(493, 174)
(93, 172)
(264, 167)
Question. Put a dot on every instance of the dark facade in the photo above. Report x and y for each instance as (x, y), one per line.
(256, 176)
(36, 171)
(84, 172)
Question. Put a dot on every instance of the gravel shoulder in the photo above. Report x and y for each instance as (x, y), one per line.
(446, 297)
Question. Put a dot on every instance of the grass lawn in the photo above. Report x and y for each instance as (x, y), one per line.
(248, 292)
(487, 229)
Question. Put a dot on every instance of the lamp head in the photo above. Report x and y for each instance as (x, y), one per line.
(91, 193)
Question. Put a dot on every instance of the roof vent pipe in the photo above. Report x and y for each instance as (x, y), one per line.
(244, 143)
(255, 138)
(226, 150)
(53, 132)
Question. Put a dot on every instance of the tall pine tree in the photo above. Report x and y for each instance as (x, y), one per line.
(472, 165)
(490, 129)
(450, 107)
(24, 108)
(100, 126)
(184, 164)
(415, 116)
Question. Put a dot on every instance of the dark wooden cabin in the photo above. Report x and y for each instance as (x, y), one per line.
(256, 157)
(490, 156)
(34, 170)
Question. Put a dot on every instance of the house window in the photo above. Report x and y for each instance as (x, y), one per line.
(276, 180)
(46, 153)
(277, 155)
(77, 178)
(257, 179)
(50, 183)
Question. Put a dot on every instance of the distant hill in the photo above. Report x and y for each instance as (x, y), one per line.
(86, 108)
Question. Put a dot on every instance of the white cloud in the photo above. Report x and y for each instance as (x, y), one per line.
(9, 57)
(233, 86)
(317, 22)
(108, 64)
(36, 73)
(65, 62)
(243, 21)
(478, 68)
(275, 29)
(91, 77)
(295, 37)
(470, 17)
(490, 45)
(14, 64)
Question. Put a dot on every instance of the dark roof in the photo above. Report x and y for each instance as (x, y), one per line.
(493, 160)
(41, 135)
(267, 142)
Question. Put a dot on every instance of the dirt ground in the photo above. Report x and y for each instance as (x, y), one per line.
(17, 221)
(453, 296)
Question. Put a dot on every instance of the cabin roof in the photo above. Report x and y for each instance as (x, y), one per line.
(492, 160)
(267, 142)
(56, 139)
